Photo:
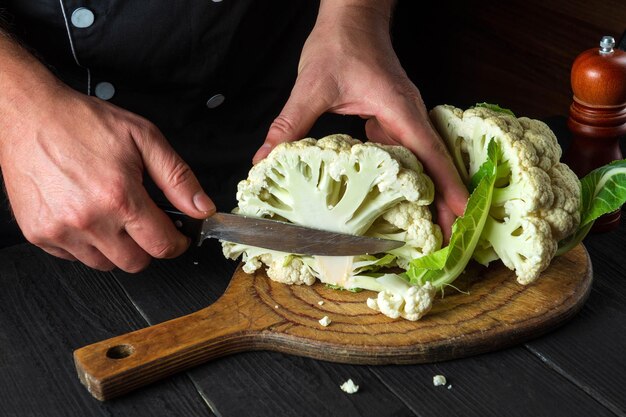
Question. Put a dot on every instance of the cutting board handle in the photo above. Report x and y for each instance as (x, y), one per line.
(121, 364)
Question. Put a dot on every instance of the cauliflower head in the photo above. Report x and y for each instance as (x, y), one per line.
(340, 184)
(536, 200)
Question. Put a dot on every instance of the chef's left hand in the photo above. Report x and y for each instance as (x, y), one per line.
(348, 66)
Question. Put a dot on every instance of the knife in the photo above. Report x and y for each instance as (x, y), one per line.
(278, 235)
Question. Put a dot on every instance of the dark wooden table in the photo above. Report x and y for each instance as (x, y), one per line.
(50, 307)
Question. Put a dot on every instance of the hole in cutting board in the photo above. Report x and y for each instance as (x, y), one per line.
(120, 351)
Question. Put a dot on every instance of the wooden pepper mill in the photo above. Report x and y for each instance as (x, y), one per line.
(597, 115)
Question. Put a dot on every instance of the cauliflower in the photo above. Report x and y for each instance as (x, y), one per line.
(349, 387)
(524, 204)
(397, 298)
(325, 321)
(411, 223)
(439, 380)
(341, 184)
(536, 199)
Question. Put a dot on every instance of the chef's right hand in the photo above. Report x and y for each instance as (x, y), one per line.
(73, 167)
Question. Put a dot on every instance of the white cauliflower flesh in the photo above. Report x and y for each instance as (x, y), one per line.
(536, 200)
(341, 184)
(349, 387)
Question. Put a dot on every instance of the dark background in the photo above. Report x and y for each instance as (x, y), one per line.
(515, 53)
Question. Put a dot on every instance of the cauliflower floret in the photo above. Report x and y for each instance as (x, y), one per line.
(251, 258)
(401, 299)
(413, 224)
(340, 184)
(536, 198)
(523, 243)
(543, 140)
(282, 267)
(563, 215)
(401, 154)
(288, 269)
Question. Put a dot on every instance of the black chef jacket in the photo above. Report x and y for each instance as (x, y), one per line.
(211, 75)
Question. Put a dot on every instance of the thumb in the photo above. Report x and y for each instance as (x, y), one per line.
(172, 175)
(304, 106)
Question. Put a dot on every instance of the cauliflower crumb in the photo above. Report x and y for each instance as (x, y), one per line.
(450, 386)
(321, 303)
(349, 387)
(325, 321)
(439, 380)
(276, 306)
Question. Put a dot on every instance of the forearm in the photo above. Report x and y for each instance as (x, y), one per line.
(24, 81)
(20, 69)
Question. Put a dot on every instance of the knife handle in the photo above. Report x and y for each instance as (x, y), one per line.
(188, 226)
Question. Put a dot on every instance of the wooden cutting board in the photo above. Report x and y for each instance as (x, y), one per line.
(256, 313)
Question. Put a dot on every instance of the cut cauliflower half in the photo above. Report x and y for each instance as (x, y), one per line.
(336, 183)
(536, 198)
(340, 184)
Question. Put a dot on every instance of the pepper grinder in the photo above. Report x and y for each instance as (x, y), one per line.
(597, 115)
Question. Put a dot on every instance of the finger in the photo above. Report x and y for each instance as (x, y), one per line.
(171, 174)
(153, 231)
(375, 133)
(124, 252)
(421, 138)
(307, 102)
(59, 253)
(90, 256)
(445, 219)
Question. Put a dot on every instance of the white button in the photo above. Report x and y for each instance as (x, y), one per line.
(215, 101)
(105, 90)
(82, 17)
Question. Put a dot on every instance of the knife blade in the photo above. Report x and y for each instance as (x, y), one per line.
(278, 235)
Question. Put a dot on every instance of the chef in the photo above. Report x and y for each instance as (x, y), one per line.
(109, 107)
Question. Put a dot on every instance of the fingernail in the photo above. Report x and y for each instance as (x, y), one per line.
(203, 202)
(263, 151)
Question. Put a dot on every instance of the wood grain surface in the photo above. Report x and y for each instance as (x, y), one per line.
(256, 313)
(48, 308)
